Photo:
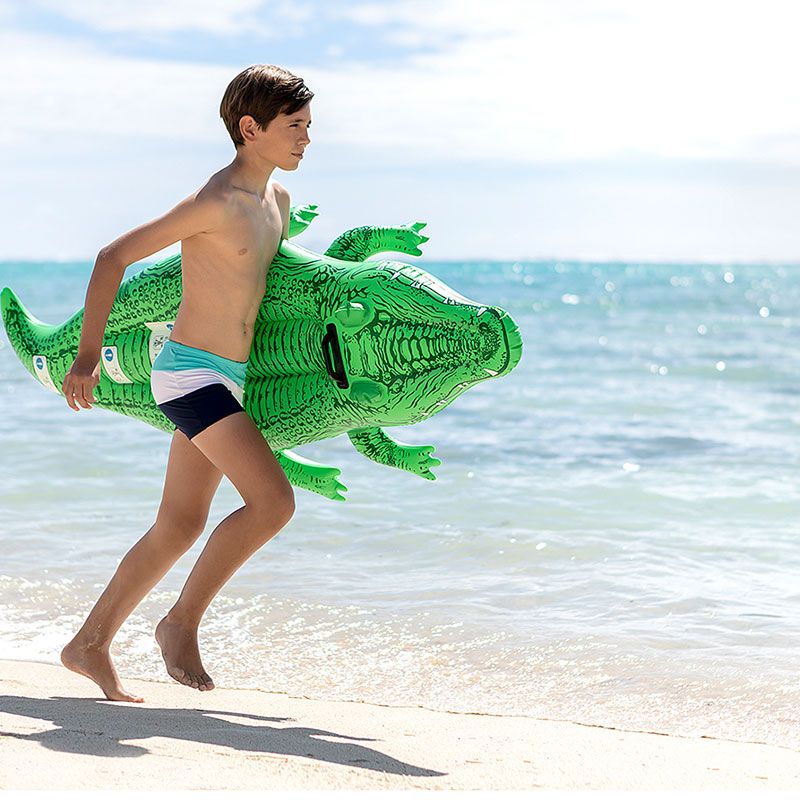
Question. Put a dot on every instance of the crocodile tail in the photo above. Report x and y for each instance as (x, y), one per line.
(25, 332)
(40, 347)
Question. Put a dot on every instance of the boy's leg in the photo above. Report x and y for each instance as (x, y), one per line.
(237, 448)
(189, 487)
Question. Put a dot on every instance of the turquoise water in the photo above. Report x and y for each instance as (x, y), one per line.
(612, 538)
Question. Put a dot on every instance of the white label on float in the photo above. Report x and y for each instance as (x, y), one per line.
(110, 361)
(159, 333)
(43, 373)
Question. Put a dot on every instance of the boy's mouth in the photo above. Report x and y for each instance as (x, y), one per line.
(299, 155)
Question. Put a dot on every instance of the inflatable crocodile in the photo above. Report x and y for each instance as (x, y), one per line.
(341, 344)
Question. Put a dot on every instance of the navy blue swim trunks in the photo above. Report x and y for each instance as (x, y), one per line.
(196, 388)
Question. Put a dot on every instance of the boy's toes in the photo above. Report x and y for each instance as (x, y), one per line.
(195, 680)
(186, 678)
(178, 674)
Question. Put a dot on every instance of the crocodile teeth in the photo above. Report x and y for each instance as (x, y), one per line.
(490, 371)
(480, 312)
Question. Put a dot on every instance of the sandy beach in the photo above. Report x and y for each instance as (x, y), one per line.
(57, 732)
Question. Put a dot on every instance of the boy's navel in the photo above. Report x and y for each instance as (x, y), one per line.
(242, 251)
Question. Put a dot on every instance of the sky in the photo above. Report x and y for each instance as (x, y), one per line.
(516, 129)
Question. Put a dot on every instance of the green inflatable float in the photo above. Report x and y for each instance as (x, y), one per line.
(341, 344)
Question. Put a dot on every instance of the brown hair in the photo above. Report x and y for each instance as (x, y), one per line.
(263, 91)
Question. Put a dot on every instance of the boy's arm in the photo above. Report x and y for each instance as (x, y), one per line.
(193, 215)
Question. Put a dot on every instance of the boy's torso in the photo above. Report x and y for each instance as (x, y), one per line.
(224, 271)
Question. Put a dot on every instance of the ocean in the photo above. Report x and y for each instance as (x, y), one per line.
(612, 537)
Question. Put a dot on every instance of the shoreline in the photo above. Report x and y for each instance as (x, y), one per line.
(58, 731)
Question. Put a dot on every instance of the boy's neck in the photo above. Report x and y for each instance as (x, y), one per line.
(250, 172)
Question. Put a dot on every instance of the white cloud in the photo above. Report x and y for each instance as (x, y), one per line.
(512, 81)
(152, 16)
(541, 81)
(64, 87)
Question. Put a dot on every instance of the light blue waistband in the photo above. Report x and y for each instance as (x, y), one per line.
(176, 356)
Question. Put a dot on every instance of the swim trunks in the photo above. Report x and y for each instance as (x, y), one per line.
(195, 388)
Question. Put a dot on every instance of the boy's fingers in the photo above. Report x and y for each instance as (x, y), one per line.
(79, 392)
(76, 396)
(66, 390)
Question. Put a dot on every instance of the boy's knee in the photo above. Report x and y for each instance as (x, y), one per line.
(274, 510)
(288, 506)
(182, 531)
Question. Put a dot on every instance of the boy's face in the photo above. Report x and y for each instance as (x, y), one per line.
(284, 139)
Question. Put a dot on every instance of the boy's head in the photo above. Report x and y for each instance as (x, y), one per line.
(260, 94)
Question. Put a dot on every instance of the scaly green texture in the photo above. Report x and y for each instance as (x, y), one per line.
(341, 344)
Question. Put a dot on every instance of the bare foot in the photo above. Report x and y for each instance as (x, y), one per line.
(96, 664)
(178, 643)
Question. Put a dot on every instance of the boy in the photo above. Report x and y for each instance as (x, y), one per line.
(230, 230)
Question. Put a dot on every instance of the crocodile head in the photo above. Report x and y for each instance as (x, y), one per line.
(408, 345)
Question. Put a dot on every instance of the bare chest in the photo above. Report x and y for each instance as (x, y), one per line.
(240, 252)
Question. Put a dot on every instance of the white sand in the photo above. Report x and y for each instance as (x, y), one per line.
(57, 731)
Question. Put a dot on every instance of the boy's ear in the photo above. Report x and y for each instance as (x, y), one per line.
(248, 126)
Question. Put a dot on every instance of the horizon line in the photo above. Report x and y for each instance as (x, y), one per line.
(655, 261)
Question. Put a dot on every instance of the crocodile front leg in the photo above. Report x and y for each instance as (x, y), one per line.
(359, 244)
(377, 445)
(300, 217)
(307, 474)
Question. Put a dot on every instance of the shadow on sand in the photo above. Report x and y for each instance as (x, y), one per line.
(81, 729)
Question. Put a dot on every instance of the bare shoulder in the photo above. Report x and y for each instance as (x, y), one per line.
(214, 194)
(281, 193)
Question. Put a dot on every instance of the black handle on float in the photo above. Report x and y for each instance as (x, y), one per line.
(331, 348)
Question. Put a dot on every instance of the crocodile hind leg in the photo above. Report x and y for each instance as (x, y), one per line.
(377, 445)
(307, 474)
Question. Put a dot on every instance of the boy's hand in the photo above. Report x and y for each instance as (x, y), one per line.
(80, 380)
